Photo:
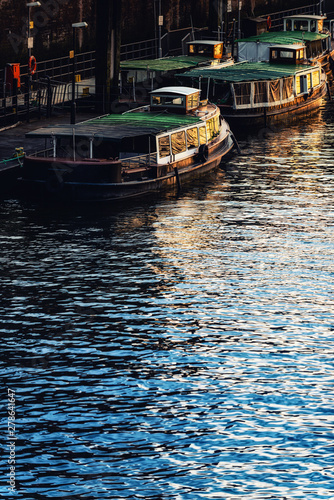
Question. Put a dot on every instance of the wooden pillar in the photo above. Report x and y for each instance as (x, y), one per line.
(108, 43)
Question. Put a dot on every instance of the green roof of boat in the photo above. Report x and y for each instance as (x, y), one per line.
(245, 71)
(165, 63)
(285, 37)
(114, 127)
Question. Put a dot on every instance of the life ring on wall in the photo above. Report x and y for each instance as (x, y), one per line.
(268, 23)
(32, 65)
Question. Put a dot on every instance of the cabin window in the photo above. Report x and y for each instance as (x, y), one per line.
(202, 134)
(320, 25)
(204, 50)
(298, 85)
(315, 78)
(218, 51)
(212, 127)
(167, 101)
(191, 49)
(288, 25)
(303, 83)
(216, 124)
(308, 79)
(178, 142)
(300, 54)
(313, 25)
(193, 101)
(192, 137)
(286, 54)
(301, 25)
(164, 146)
(260, 92)
(274, 91)
(274, 54)
(242, 92)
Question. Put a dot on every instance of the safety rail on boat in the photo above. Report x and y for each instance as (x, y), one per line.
(201, 113)
(139, 161)
(44, 153)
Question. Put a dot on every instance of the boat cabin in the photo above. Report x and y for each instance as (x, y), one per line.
(209, 48)
(287, 54)
(180, 100)
(310, 23)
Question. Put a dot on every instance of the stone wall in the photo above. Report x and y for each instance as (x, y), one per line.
(53, 19)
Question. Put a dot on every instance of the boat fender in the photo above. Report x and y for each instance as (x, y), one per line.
(203, 153)
(177, 178)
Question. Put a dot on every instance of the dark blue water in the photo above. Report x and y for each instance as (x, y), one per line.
(180, 348)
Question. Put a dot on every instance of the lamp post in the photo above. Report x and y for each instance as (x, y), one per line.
(72, 55)
(30, 46)
(160, 23)
(239, 25)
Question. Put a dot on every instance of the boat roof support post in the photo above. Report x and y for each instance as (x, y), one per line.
(91, 147)
(54, 142)
(73, 136)
(252, 95)
(207, 90)
(233, 95)
(134, 89)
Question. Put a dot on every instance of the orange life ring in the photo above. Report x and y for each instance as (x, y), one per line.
(32, 65)
(268, 23)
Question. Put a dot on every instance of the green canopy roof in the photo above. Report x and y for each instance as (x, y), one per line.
(165, 63)
(284, 37)
(116, 127)
(246, 72)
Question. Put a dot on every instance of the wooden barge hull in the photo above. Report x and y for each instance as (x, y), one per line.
(63, 180)
(301, 106)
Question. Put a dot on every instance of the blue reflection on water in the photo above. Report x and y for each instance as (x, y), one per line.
(180, 349)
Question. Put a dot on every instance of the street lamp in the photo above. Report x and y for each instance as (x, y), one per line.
(239, 25)
(30, 46)
(72, 55)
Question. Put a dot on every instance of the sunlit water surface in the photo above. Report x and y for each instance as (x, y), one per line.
(178, 348)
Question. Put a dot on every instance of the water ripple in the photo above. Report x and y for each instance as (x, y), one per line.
(180, 349)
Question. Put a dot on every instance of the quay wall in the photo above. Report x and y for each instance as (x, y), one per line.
(52, 31)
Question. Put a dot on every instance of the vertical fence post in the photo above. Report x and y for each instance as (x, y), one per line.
(15, 97)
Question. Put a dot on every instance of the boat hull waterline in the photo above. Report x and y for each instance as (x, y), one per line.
(301, 107)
